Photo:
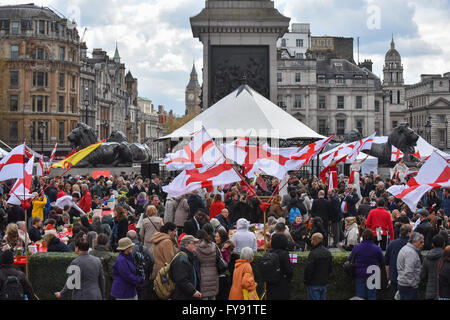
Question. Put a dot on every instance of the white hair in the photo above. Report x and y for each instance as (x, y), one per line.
(247, 253)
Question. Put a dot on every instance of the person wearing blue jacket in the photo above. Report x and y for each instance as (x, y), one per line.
(367, 254)
(124, 273)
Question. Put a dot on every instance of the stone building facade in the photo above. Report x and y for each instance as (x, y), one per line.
(40, 94)
(428, 103)
(296, 42)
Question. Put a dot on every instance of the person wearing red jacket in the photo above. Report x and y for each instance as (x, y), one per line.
(61, 192)
(86, 200)
(381, 218)
(216, 207)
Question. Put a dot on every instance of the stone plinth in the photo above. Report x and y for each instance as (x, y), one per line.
(239, 39)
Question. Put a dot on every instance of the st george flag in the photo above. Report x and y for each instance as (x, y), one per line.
(204, 177)
(304, 156)
(200, 152)
(40, 168)
(396, 154)
(363, 144)
(53, 153)
(22, 187)
(11, 166)
(77, 157)
(434, 174)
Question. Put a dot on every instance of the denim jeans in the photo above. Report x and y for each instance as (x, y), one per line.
(317, 292)
(362, 291)
(407, 293)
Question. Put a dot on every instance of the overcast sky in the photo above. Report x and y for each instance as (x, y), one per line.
(156, 43)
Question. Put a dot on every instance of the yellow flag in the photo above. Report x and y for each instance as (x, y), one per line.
(76, 157)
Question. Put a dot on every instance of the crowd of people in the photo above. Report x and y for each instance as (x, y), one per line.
(193, 232)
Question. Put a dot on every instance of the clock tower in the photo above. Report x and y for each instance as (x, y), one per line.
(193, 92)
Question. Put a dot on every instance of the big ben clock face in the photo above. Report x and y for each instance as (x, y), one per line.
(191, 97)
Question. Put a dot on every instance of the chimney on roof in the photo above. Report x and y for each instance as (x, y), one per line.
(366, 64)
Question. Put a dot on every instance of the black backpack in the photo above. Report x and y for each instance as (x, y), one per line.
(143, 262)
(11, 289)
(270, 267)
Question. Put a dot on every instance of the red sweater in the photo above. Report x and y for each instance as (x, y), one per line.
(86, 202)
(61, 193)
(380, 217)
(216, 208)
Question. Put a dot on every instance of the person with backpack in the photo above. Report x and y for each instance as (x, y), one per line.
(429, 272)
(103, 252)
(318, 269)
(185, 271)
(164, 247)
(13, 283)
(144, 262)
(277, 269)
(124, 273)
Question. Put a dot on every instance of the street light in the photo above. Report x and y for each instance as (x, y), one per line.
(446, 133)
(410, 108)
(41, 129)
(86, 102)
(428, 130)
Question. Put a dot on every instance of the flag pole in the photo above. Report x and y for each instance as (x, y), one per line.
(26, 214)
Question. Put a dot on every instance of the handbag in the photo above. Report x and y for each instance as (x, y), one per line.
(221, 264)
(349, 265)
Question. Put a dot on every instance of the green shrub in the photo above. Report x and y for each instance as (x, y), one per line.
(47, 274)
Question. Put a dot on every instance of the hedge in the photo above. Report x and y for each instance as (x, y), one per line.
(47, 274)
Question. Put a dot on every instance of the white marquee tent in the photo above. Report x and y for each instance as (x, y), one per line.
(244, 110)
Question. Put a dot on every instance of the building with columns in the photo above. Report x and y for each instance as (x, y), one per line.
(39, 90)
(428, 108)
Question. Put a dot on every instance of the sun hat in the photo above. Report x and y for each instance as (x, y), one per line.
(124, 244)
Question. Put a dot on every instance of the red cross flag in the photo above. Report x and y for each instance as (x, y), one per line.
(11, 166)
(434, 174)
(200, 152)
(304, 156)
(22, 187)
(396, 154)
(190, 180)
(364, 144)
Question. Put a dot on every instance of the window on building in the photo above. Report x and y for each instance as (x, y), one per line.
(329, 43)
(322, 127)
(61, 135)
(359, 126)
(316, 42)
(377, 128)
(322, 102)
(340, 79)
(377, 106)
(40, 103)
(40, 79)
(14, 78)
(299, 42)
(279, 77)
(62, 82)
(298, 101)
(442, 118)
(394, 124)
(283, 43)
(41, 27)
(441, 134)
(13, 131)
(357, 80)
(61, 103)
(62, 53)
(14, 103)
(74, 81)
(72, 104)
(321, 79)
(280, 101)
(15, 27)
(14, 52)
(340, 102)
(299, 55)
(322, 43)
(297, 77)
(391, 97)
(398, 97)
(340, 127)
(359, 102)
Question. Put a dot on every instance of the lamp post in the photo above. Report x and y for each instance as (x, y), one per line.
(428, 130)
(86, 103)
(446, 133)
(410, 108)
(41, 129)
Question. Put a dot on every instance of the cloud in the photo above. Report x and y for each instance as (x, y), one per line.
(156, 42)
